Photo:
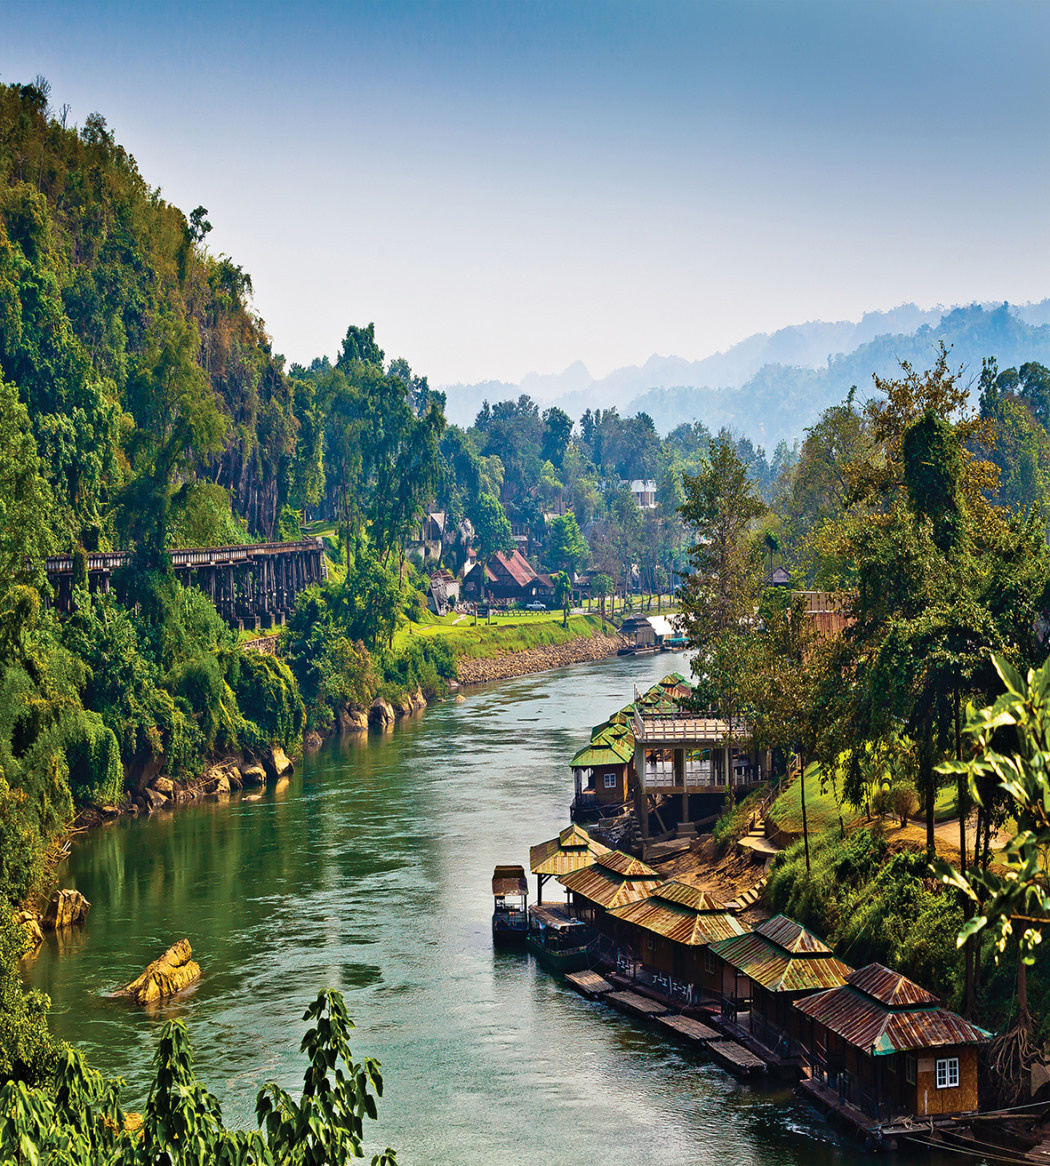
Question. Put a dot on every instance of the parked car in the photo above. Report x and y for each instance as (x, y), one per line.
(535, 606)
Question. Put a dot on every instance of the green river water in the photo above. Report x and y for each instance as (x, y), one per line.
(369, 872)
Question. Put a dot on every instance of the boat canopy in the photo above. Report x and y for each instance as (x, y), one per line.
(509, 880)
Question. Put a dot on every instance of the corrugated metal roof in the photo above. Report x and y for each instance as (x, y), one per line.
(628, 866)
(551, 916)
(686, 895)
(609, 888)
(775, 969)
(614, 751)
(890, 988)
(682, 914)
(572, 849)
(792, 936)
(867, 1024)
(509, 880)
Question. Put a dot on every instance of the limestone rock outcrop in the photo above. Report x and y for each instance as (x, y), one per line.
(253, 775)
(173, 971)
(276, 762)
(66, 909)
(30, 922)
(353, 721)
(381, 713)
(163, 785)
(218, 783)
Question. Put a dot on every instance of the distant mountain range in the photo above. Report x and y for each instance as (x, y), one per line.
(771, 386)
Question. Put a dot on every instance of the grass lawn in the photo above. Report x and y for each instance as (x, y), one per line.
(508, 632)
(822, 810)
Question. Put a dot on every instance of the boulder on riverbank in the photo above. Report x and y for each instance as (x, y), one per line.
(173, 971)
(252, 775)
(381, 714)
(353, 721)
(66, 909)
(276, 762)
(417, 700)
(29, 921)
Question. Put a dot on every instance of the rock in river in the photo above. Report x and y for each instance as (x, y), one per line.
(171, 973)
(65, 909)
(277, 763)
(253, 775)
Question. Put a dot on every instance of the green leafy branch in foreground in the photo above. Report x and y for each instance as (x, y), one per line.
(1014, 896)
(80, 1122)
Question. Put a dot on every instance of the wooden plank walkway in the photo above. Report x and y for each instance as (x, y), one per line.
(634, 1004)
(690, 1030)
(589, 983)
(735, 1058)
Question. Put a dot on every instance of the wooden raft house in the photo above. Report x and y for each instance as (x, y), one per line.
(573, 849)
(613, 880)
(670, 934)
(881, 1045)
(764, 973)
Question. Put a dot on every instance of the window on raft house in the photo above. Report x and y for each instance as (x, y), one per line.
(948, 1073)
(709, 963)
(610, 781)
(909, 1069)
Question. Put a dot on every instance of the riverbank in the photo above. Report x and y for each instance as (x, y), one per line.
(507, 664)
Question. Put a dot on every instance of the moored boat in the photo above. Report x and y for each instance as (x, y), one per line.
(563, 943)
(510, 916)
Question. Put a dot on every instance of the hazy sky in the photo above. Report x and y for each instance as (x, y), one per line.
(509, 187)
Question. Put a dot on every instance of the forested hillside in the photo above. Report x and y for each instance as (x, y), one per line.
(770, 387)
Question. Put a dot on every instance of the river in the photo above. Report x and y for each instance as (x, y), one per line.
(369, 872)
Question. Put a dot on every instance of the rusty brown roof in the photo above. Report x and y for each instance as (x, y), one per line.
(868, 1024)
(572, 849)
(628, 866)
(509, 880)
(890, 988)
(776, 969)
(686, 895)
(792, 936)
(682, 914)
(609, 888)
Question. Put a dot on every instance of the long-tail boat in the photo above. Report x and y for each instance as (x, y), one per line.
(510, 915)
(561, 942)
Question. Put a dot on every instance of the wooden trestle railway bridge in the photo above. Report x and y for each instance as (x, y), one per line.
(251, 586)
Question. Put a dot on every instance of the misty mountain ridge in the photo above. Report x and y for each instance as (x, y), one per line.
(771, 386)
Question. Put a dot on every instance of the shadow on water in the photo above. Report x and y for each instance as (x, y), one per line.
(369, 872)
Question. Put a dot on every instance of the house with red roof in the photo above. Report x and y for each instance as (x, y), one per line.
(510, 577)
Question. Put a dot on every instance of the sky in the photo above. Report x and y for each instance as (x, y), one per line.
(506, 188)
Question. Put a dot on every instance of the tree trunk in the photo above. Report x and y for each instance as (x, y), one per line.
(962, 799)
(805, 830)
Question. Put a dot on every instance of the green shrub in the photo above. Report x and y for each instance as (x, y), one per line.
(268, 697)
(96, 776)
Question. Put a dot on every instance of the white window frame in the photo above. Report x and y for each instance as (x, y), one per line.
(948, 1073)
(610, 781)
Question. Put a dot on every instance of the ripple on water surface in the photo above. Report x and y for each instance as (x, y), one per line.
(369, 872)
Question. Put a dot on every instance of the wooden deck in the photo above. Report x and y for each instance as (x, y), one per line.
(589, 983)
(736, 1058)
(689, 1029)
(635, 1005)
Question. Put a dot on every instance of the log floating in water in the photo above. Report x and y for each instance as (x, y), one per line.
(171, 973)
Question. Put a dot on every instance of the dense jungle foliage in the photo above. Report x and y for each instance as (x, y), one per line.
(920, 522)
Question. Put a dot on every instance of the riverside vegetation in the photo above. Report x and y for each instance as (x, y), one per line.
(142, 406)
(927, 525)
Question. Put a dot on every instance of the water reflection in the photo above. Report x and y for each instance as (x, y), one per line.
(369, 872)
